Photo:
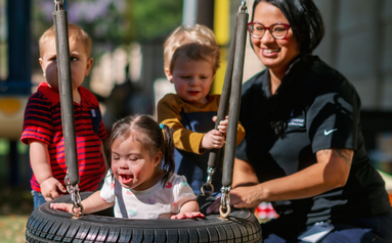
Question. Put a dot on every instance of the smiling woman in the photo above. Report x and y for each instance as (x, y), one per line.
(303, 149)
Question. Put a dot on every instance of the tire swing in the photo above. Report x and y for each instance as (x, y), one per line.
(48, 225)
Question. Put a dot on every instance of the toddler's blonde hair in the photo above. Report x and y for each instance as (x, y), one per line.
(183, 35)
(75, 33)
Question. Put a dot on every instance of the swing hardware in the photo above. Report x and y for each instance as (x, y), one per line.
(243, 6)
(76, 200)
(59, 4)
(208, 185)
(225, 202)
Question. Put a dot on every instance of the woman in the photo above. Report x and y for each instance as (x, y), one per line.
(303, 149)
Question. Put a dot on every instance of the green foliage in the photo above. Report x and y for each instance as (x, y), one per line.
(155, 18)
(114, 22)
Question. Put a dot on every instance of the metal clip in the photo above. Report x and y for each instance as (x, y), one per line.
(225, 202)
(208, 184)
(243, 7)
(58, 4)
(76, 200)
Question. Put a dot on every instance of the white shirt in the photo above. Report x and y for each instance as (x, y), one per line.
(157, 202)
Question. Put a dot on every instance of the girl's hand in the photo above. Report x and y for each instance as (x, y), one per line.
(66, 207)
(188, 215)
(240, 197)
(50, 188)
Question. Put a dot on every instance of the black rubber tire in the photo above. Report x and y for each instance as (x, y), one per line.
(48, 225)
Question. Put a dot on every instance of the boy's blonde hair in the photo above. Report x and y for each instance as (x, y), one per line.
(75, 33)
(197, 34)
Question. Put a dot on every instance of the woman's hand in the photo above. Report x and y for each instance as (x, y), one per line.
(240, 197)
(188, 215)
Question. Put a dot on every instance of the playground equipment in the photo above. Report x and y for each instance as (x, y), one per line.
(48, 225)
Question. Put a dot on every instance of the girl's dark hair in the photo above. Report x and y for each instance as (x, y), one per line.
(148, 133)
(305, 20)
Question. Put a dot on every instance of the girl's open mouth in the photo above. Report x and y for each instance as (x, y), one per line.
(125, 179)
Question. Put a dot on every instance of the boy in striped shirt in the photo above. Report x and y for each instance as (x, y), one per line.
(42, 128)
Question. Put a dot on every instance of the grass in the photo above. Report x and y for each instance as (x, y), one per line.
(15, 207)
(16, 202)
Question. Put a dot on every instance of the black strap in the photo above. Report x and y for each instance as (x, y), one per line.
(120, 199)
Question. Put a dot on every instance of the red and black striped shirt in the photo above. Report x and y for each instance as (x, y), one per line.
(42, 122)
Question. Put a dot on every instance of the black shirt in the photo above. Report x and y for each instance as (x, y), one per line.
(320, 110)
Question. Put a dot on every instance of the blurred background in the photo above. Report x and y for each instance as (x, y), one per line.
(127, 75)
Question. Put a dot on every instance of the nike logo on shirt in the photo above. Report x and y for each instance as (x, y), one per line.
(327, 132)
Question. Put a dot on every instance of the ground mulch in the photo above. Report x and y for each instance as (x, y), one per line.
(16, 205)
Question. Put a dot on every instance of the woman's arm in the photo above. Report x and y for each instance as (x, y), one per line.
(92, 204)
(330, 171)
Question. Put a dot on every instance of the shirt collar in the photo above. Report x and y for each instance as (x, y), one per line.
(54, 96)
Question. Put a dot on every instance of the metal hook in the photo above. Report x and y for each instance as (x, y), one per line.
(243, 5)
(208, 184)
(58, 4)
(225, 202)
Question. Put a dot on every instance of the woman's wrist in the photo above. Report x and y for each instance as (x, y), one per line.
(263, 193)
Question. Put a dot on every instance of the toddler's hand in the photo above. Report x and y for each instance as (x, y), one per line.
(222, 127)
(188, 215)
(212, 139)
(50, 187)
(66, 207)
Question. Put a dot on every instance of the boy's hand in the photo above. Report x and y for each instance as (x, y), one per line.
(49, 188)
(66, 207)
(212, 140)
(188, 215)
(222, 127)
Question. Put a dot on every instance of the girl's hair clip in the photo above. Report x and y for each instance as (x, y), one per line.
(161, 126)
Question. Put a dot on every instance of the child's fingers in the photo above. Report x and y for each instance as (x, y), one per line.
(48, 198)
(61, 187)
(191, 215)
(188, 215)
(54, 194)
(197, 215)
(224, 122)
(60, 206)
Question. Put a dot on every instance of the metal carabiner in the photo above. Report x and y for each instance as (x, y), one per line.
(225, 202)
(58, 4)
(204, 187)
(243, 6)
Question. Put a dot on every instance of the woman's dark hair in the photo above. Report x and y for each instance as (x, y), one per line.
(150, 135)
(304, 18)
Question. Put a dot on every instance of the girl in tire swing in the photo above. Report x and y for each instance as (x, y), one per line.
(137, 184)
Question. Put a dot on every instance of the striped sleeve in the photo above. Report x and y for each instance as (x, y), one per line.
(37, 123)
(169, 114)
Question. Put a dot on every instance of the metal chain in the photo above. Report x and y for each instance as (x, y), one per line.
(208, 184)
(76, 200)
(225, 202)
